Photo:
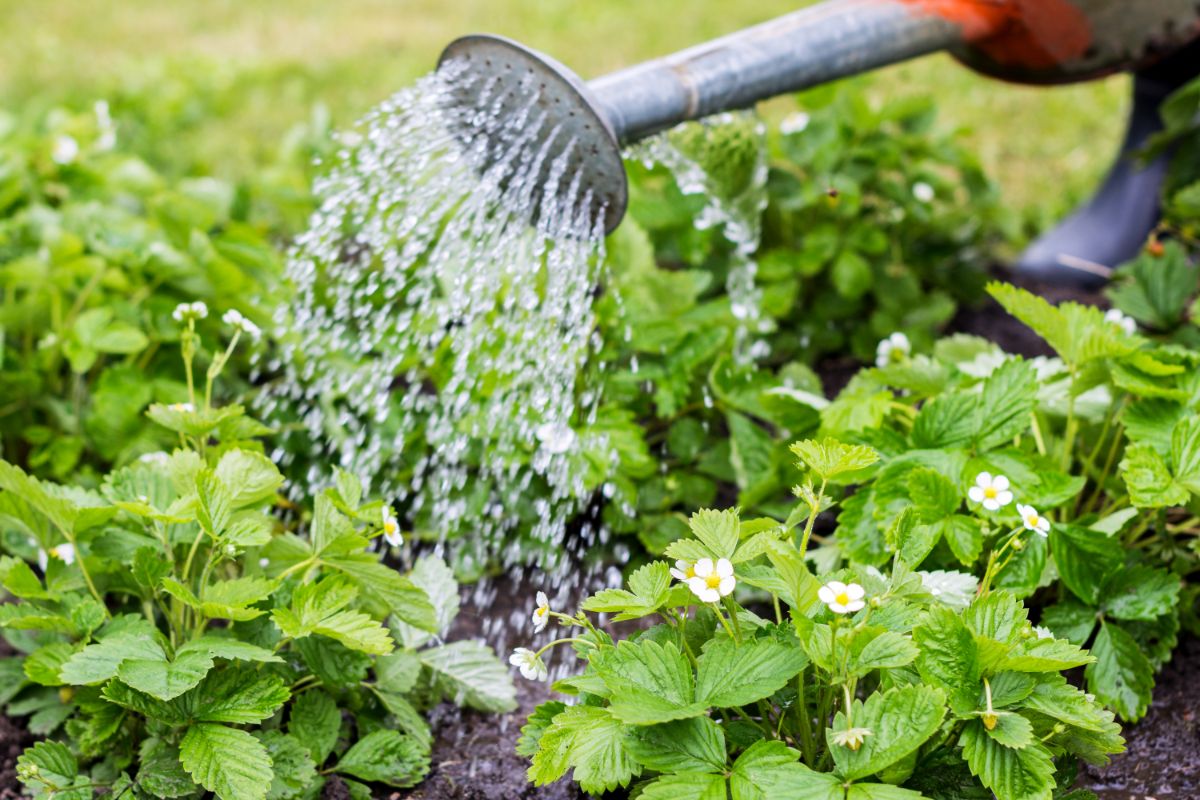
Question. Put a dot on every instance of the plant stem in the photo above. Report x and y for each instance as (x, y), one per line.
(813, 509)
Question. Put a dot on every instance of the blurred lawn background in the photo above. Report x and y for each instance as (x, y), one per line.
(235, 76)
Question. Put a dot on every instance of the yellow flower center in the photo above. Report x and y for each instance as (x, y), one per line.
(1032, 520)
(389, 526)
(542, 611)
(842, 599)
(690, 572)
(990, 493)
(713, 581)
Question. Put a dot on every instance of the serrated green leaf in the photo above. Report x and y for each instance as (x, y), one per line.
(214, 503)
(685, 786)
(1011, 730)
(42, 666)
(536, 725)
(729, 674)
(1024, 774)
(165, 679)
(830, 459)
(686, 745)
(1121, 677)
(228, 762)
(235, 696)
(1085, 559)
(649, 588)
(292, 768)
(318, 609)
(650, 682)
(900, 721)
(1149, 480)
(96, 663)
(160, 772)
(949, 657)
(1079, 334)
(230, 649)
(250, 477)
(717, 531)
(1140, 593)
(432, 576)
(589, 740)
(470, 674)
(1005, 403)
(315, 722)
(385, 591)
(888, 650)
(768, 769)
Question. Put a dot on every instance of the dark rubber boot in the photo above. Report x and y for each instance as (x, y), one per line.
(1114, 225)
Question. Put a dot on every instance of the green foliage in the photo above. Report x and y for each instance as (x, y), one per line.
(97, 248)
(717, 701)
(179, 637)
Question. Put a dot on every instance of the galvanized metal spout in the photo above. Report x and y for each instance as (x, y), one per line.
(794, 52)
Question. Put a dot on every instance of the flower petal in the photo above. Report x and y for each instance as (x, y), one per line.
(704, 567)
(724, 568)
(855, 592)
(825, 595)
(983, 480)
(1000, 483)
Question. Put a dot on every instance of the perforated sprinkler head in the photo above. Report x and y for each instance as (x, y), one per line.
(561, 124)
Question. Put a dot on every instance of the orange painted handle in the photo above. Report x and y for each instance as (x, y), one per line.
(1030, 34)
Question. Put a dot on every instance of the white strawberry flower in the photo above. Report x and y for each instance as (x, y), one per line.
(992, 492)
(529, 663)
(1033, 521)
(851, 737)
(794, 123)
(683, 571)
(65, 149)
(843, 598)
(710, 582)
(186, 311)
(923, 192)
(158, 457)
(236, 320)
(64, 553)
(1126, 323)
(183, 408)
(391, 528)
(895, 349)
(541, 614)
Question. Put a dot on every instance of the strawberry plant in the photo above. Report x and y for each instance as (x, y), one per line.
(177, 637)
(763, 679)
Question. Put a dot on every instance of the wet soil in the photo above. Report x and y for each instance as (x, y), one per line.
(1162, 758)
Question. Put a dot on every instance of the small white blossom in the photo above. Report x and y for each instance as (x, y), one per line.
(923, 192)
(1126, 323)
(529, 663)
(794, 123)
(541, 614)
(992, 492)
(157, 457)
(391, 528)
(895, 349)
(683, 571)
(234, 319)
(186, 311)
(1033, 521)
(183, 408)
(843, 598)
(65, 149)
(104, 121)
(64, 553)
(230, 550)
(710, 582)
(264, 562)
(851, 737)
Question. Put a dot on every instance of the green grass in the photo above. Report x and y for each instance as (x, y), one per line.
(270, 61)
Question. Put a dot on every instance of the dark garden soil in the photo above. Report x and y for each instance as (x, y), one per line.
(473, 753)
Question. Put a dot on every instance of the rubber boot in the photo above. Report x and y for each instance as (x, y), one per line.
(1113, 226)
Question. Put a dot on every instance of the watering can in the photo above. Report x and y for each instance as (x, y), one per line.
(1028, 41)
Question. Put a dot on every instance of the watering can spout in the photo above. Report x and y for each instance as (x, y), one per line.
(1039, 41)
